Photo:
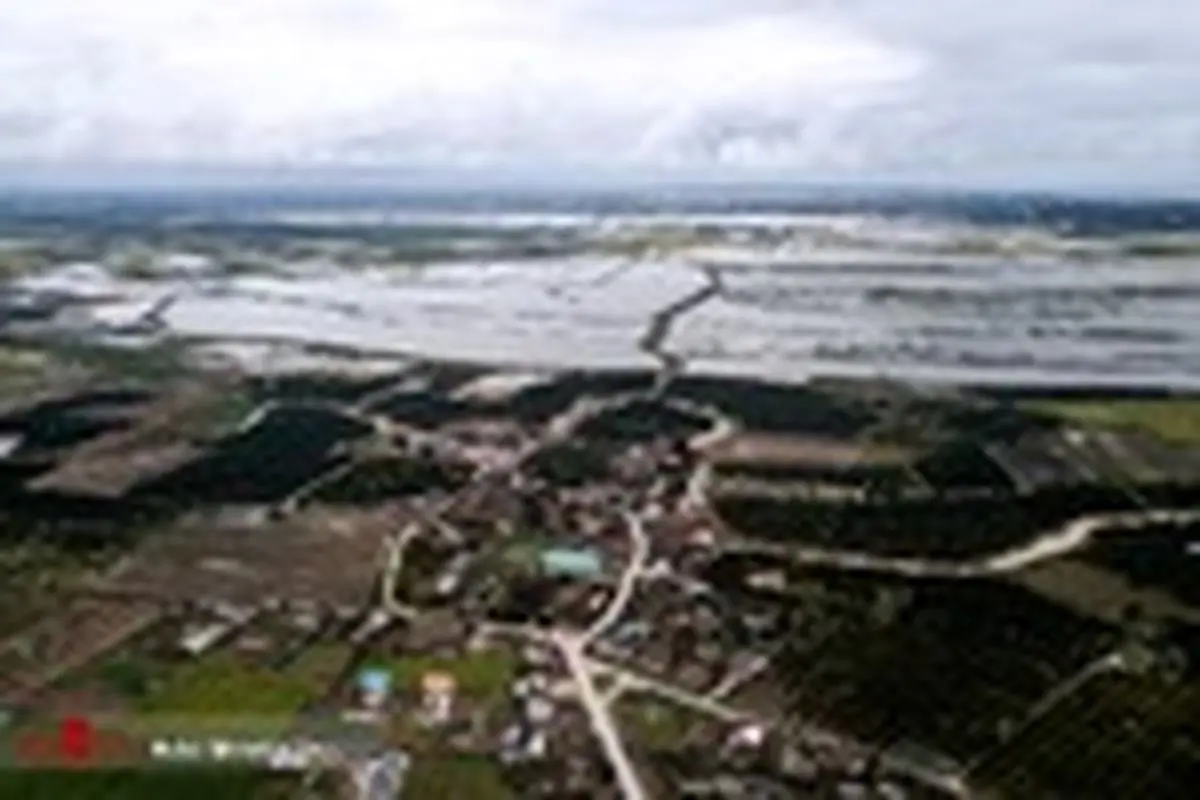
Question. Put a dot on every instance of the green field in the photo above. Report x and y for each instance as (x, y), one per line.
(476, 778)
(319, 666)
(218, 415)
(480, 675)
(657, 725)
(129, 676)
(1173, 420)
(151, 364)
(21, 362)
(221, 694)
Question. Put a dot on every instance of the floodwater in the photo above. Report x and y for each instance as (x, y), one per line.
(801, 295)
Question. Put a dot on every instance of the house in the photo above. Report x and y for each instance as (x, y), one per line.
(438, 690)
(577, 563)
(376, 622)
(196, 640)
(9, 444)
(374, 686)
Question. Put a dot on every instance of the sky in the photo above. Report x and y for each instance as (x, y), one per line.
(1037, 92)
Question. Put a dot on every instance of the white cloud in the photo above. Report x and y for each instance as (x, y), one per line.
(1023, 88)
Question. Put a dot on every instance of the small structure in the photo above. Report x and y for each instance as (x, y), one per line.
(376, 622)
(747, 737)
(9, 444)
(631, 633)
(437, 696)
(701, 536)
(374, 686)
(197, 639)
(576, 563)
(451, 577)
(521, 743)
(253, 643)
(772, 580)
(539, 710)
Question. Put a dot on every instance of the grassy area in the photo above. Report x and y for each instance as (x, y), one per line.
(657, 725)
(152, 363)
(319, 666)
(21, 360)
(1105, 594)
(227, 694)
(1175, 420)
(130, 676)
(477, 778)
(21, 369)
(218, 415)
(479, 675)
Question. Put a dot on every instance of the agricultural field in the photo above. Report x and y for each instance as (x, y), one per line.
(481, 675)
(937, 529)
(20, 368)
(448, 776)
(203, 691)
(1155, 557)
(941, 664)
(1117, 737)
(380, 480)
(1175, 419)
(320, 666)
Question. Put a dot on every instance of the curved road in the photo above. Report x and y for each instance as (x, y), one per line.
(1071, 537)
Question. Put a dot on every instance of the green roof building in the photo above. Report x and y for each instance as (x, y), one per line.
(563, 562)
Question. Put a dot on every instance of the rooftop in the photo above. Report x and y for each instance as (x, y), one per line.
(572, 562)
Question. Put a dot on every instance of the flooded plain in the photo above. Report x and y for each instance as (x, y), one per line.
(798, 296)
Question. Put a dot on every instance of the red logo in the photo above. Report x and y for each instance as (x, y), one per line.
(75, 739)
(75, 743)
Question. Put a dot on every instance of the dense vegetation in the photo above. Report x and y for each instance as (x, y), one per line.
(383, 479)
(539, 403)
(1118, 737)
(571, 464)
(941, 664)
(961, 527)
(640, 421)
(288, 448)
(1153, 557)
(768, 407)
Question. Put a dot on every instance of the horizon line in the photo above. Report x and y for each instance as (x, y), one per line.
(139, 177)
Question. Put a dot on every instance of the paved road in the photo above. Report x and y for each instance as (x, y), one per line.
(697, 702)
(1072, 536)
(395, 562)
(633, 570)
(571, 648)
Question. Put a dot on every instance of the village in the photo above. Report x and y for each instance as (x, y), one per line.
(525, 588)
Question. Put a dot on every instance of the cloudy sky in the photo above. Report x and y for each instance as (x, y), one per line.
(1021, 91)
